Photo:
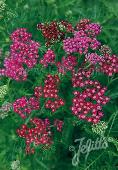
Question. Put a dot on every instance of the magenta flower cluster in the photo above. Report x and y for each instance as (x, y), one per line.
(48, 58)
(83, 39)
(22, 51)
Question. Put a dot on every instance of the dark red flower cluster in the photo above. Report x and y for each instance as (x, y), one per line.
(38, 91)
(22, 51)
(67, 64)
(58, 124)
(109, 65)
(54, 105)
(88, 103)
(54, 31)
(82, 23)
(48, 58)
(78, 79)
(23, 106)
(38, 135)
(50, 90)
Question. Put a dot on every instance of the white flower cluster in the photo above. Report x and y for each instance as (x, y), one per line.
(3, 91)
(4, 109)
(100, 128)
(15, 165)
(2, 5)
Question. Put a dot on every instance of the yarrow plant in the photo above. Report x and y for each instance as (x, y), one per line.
(79, 57)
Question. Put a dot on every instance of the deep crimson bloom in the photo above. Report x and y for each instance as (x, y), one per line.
(39, 134)
(38, 91)
(109, 65)
(54, 105)
(81, 25)
(58, 124)
(50, 89)
(54, 31)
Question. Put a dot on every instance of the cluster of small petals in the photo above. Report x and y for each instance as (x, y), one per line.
(88, 104)
(58, 124)
(25, 53)
(14, 69)
(21, 35)
(38, 91)
(84, 38)
(67, 64)
(6, 107)
(81, 25)
(110, 65)
(22, 51)
(23, 106)
(48, 58)
(39, 134)
(81, 45)
(54, 105)
(68, 27)
(94, 58)
(78, 79)
(81, 42)
(50, 89)
(54, 31)
(92, 29)
(95, 44)
(105, 49)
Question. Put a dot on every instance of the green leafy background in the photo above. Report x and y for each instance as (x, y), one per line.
(28, 13)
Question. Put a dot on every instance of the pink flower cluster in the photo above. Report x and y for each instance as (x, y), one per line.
(94, 58)
(2, 72)
(22, 51)
(23, 106)
(48, 58)
(67, 64)
(92, 29)
(39, 135)
(88, 104)
(83, 39)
